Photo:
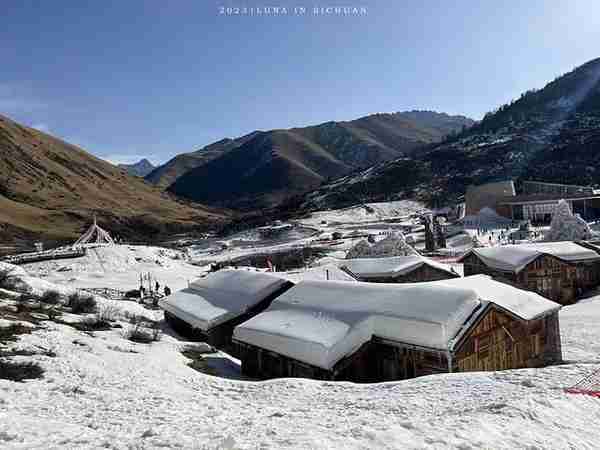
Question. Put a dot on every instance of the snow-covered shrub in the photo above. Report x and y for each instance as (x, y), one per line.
(53, 313)
(93, 323)
(392, 245)
(81, 303)
(566, 226)
(142, 332)
(361, 248)
(8, 278)
(10, 333)
(50, 297)
(27, 302)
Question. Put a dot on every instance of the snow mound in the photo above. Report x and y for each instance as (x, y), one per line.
(566, 226)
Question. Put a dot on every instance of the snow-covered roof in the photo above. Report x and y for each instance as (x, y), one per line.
(327, 272)
(220, 296)
(389, 267)
(321, 322)
(513, 258)
(524, 304)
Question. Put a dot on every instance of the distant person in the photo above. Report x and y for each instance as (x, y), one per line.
(157, 286)
(167, 291)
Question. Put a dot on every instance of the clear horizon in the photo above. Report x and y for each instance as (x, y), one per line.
(128, 80)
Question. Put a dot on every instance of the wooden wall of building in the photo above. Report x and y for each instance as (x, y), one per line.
(375, 361)
(547, 275)
(500, 341)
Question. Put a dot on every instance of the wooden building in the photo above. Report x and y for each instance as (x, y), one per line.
(385, 332)
(211, 307)
(397, 269)
(560, 271)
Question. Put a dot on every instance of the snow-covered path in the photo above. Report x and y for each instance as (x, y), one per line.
(106, 392)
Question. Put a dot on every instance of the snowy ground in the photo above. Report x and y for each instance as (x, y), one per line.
(316, 230)
(103, 391)
(369, 212)
(119, 267)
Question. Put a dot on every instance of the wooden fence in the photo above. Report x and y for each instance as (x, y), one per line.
(113, 294)
(47, 255)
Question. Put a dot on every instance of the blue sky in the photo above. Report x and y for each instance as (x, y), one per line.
(132, 78)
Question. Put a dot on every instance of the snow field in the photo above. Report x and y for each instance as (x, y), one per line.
(98, 393)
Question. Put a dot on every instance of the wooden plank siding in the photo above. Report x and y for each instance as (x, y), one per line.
(373, 362)
(551, 277)
(500, 341)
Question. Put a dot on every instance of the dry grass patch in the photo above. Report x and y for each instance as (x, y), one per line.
(20, 371)
(11, 332)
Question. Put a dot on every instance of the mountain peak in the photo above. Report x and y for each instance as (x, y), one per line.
(139, 169)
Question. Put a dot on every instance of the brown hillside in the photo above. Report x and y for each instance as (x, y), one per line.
(51, 189)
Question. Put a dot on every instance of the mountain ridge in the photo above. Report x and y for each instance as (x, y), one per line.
(547, 134)
(264, 168)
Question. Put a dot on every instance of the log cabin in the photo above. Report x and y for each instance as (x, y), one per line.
(384, 332)
(560, 271)
(397, 269)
